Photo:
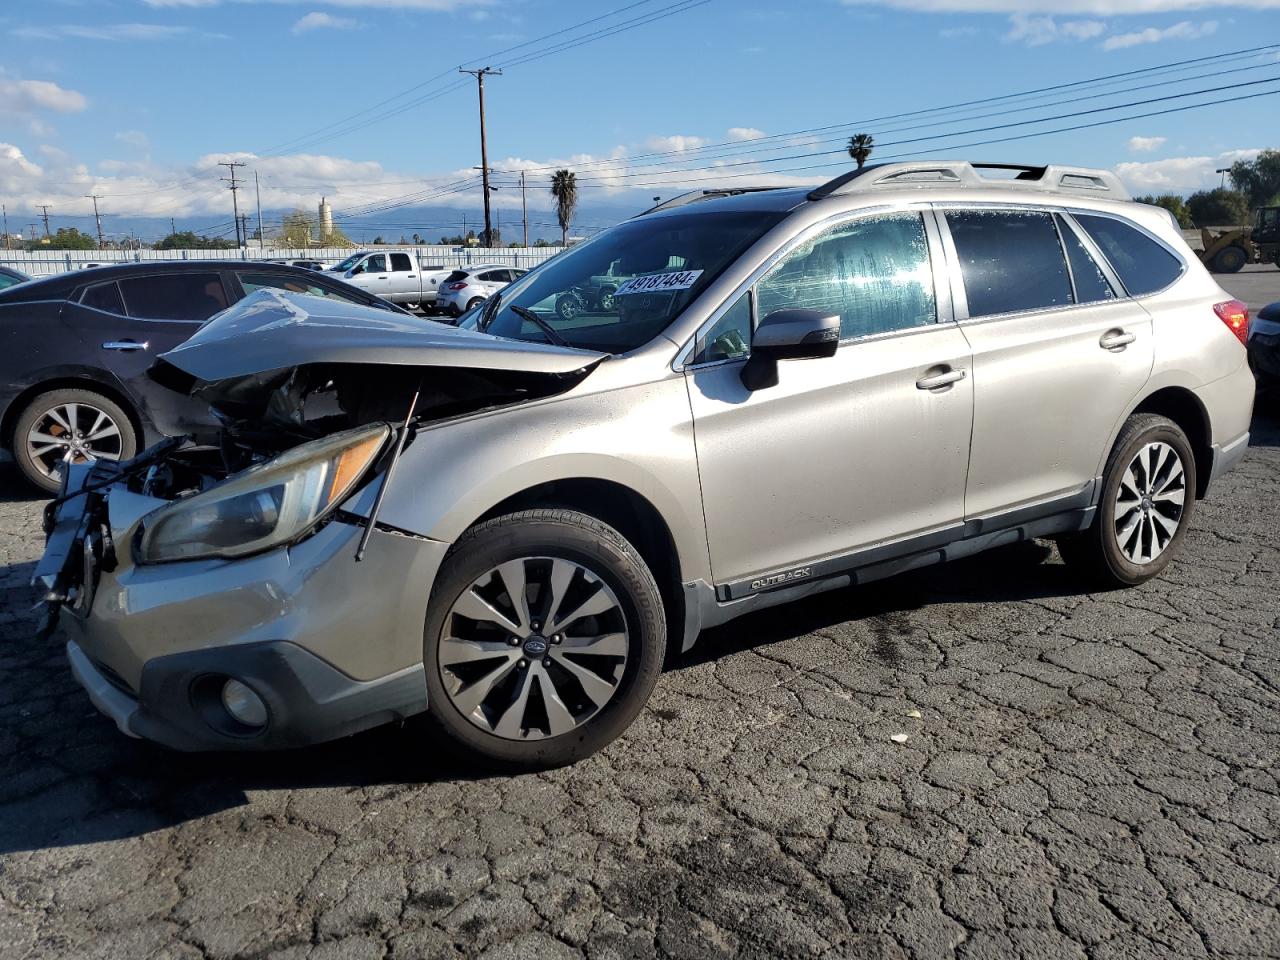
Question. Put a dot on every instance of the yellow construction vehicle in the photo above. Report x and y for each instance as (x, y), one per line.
(1229, 250)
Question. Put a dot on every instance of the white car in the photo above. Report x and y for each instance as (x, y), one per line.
(469, 286)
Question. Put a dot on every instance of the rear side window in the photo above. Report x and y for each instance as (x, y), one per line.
(1142, 264)
(1011, 260)
(400, 262)
(103, 296)
(1090, 282)
(179, 296)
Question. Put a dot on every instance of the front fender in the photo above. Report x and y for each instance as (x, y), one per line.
(638, 436)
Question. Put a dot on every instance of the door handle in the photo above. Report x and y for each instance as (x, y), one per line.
(939, 381)
(125, 345)
(410, 275)
(1116, 339)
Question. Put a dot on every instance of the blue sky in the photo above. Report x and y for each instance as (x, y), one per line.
(137, 100)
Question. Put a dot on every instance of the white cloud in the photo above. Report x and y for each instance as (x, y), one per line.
(1037, 31)
(1179, 174)
(28, 96)
(317, 20)
(1184, 30)
(1099, 8)
(106, 31)
(675, 143)
(1146, 144)
(15, 168)
(745, 133)
(134, 138)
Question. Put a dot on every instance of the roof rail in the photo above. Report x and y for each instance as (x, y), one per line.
(693, 196)
(1051, 178)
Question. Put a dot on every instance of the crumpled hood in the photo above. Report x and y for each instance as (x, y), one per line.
(273, 330)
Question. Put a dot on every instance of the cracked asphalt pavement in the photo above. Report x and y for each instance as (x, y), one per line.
(978, 760)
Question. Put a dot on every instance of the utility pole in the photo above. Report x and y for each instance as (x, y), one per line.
(235, 185)
(32, 227)
(484, 150)
(172, 227)
(4, 211)
(257, 195)
(97, 219)
(44, 209)
(524, 210)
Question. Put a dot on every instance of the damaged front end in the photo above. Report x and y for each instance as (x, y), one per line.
(315, 399)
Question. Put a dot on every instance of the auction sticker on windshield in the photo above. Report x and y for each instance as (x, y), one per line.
(658, 282)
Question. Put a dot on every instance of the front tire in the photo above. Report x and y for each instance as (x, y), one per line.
(544, 637)
(1148, 499)
(71, 425)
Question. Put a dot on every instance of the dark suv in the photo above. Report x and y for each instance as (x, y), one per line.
(76, 344)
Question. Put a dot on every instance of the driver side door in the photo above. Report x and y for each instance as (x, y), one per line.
(848, 459)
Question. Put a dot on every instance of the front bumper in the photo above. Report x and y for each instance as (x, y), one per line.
(331, 646)
(308, 700)
(1264, 354)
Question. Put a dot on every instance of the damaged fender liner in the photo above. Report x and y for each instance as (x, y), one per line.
(281, 368)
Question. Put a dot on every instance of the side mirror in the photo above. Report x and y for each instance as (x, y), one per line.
(789, 334)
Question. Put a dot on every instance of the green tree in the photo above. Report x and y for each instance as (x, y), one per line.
(1218, 208)
(66, 238)
(1259, 178)
(378, 241)
(564, 187)
(860, 147)
(1174, 204)
(187, 240)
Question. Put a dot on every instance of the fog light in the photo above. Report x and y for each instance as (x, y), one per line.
(243, 704)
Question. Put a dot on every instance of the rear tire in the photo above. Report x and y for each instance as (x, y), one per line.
(546, 680)
(474, 302)
(1230, 260)
(44, 435)
(1146, 505)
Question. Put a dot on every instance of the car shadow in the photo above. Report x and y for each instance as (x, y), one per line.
(1265, 429)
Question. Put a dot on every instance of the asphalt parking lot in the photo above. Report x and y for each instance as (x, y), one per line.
(1083, 775)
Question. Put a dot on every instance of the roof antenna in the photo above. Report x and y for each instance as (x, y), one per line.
(386, 480)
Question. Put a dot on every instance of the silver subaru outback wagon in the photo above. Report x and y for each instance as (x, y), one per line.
(507, 525)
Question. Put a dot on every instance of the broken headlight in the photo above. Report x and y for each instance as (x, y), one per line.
(265, 506)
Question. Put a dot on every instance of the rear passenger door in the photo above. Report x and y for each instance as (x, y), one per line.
(1059, 352)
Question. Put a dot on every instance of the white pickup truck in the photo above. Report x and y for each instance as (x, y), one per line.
(394, 275)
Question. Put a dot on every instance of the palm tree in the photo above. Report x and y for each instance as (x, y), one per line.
(860, 147)
(564, 187)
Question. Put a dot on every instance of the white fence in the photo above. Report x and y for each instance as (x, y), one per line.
(42, 263)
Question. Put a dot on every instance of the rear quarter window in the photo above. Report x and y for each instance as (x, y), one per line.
(1142, 264)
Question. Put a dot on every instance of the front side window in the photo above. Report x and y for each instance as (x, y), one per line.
(1142, 264)
(663, 263)
(1090, 282)
(103, 296)
(376, 264)
(874, 272)
(179, 296)
(729, 338)
(1011, 260)
(400, 262)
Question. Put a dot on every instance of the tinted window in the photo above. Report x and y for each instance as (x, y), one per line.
(103, 296)
(400, 261)
(730, 337)
(1090, 282)
(376, 264)
(290, 284)
(873, 272)
(1141, 263)
(456, 275)
(1010, 260)
(185, 296)
(493, 276)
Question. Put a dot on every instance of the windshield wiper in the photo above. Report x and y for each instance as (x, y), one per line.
(537, 321)
(488, 311)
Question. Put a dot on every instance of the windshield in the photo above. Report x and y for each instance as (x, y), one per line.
(624, 287)
(348, 263)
